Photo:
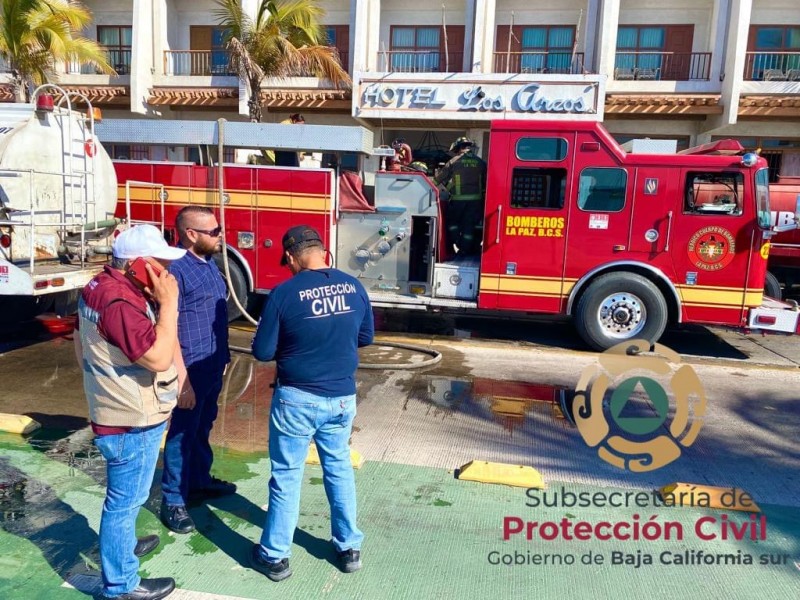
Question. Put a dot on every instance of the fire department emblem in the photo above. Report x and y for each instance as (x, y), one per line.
(712, 248)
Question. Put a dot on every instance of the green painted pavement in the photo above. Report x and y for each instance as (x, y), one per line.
(427, 536)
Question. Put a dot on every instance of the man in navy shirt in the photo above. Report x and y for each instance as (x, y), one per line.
(312, 326)
(203, 339)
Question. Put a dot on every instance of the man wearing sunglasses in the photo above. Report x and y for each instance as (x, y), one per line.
(204, 354)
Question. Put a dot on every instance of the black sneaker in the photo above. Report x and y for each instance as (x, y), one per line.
(214, 489)
(350, 560)
(176, 518)
(276, 571)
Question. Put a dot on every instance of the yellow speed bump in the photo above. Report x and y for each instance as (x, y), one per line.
(514, 475)
(356, 459)
(708, 496)
(21, 424)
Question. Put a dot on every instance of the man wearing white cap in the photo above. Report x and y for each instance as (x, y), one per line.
(127, 346)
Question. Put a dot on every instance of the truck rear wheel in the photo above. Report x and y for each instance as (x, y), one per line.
(620, 306)
(237, 286)
(772, 287)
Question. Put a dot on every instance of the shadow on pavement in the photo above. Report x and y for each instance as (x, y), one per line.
(236, 545)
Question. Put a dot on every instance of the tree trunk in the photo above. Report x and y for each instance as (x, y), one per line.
(254, 104)
(19, 87)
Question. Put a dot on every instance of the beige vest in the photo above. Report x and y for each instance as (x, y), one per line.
(121, 393)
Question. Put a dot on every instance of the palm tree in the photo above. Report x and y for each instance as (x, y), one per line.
(285, 39)
(37, 35)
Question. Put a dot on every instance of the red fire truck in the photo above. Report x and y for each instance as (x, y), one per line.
(784, 255)
(573, 225)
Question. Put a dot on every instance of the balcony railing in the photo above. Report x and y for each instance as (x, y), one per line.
(420, 61)
(665, 66)
(539, 62)
(772, 66)
(197, 62)
(120, 61)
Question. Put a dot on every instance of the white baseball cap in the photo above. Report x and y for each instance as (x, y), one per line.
(144, 240)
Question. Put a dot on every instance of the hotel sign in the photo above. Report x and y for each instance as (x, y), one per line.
(486, 99)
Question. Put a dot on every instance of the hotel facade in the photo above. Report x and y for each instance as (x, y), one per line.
(687, 70)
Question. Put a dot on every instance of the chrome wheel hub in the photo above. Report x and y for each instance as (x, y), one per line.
(622, 315)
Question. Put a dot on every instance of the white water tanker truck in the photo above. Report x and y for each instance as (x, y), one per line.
(58, 192)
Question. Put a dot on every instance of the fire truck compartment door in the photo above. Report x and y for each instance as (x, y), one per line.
(525, 223)
(600, 219)
(654, 209)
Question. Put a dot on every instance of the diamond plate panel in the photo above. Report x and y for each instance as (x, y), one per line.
(311, 138)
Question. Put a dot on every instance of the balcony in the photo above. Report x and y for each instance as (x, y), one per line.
(663, 66)
(197, 63)
(119, 59)
(772, 66)
(564, 63)
(420, 61)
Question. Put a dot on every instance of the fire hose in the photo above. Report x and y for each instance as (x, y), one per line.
(435, 356)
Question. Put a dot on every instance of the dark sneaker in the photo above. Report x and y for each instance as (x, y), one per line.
(350, 560)
(149, 589)
(276, 571)
(176, 518)
(214, 489)
(146, 545)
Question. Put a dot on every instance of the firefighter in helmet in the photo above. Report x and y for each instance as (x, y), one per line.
(464, 178)
(419, 166)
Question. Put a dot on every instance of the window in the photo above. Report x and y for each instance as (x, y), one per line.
(782, 155)
(713, 193)
(338, 36)
(207, 55)
(219, 55)
(538, 188)
(780, 59)
(543, 149)
(547, 49)
(128, 151)
(640, 48)
(424, 49)
(602, 189)
(116, 40)
(422, 46)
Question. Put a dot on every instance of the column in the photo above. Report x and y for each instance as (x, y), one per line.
(482, 35)
(735, 55)
(591, 22)
(143, 49)
(359, 22)
(606, 36)
(719, 28)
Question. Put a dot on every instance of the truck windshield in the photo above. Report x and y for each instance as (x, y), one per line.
(762, 199)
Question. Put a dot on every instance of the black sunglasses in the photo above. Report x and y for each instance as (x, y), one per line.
(212, 232)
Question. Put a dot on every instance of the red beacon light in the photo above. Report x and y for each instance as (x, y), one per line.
(45, 103)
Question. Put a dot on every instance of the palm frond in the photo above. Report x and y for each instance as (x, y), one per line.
(37, 35)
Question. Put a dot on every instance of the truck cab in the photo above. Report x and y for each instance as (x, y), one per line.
(574, 225)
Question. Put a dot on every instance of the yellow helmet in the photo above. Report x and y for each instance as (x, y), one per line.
(462, 142)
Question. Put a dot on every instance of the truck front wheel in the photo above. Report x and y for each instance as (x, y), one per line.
(772, 287)
(620, 306)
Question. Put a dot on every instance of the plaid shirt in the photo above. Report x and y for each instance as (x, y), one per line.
(203, 318)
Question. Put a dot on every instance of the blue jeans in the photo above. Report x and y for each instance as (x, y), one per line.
(187, 453)
(295, 418)
(130, 464)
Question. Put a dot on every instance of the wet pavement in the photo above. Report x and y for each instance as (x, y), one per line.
(501, 393)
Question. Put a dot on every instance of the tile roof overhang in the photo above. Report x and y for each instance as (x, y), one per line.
(663, 104)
